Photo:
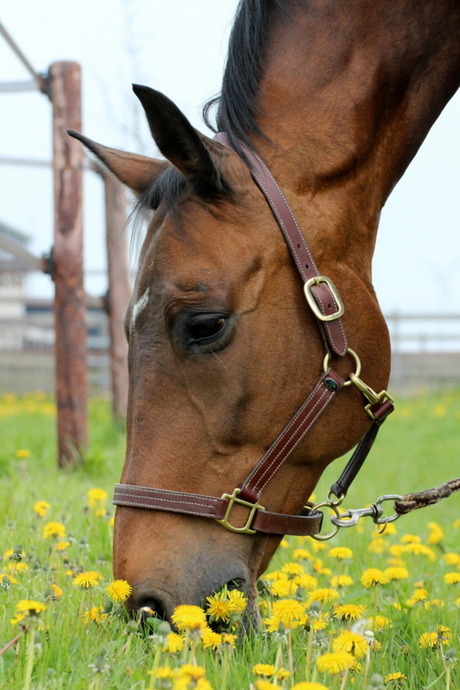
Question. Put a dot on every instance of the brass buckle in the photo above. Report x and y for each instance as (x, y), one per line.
(317, 280)
(370, 394)
(232, 498)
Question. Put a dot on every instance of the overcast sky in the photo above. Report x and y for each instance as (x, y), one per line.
(179, 47)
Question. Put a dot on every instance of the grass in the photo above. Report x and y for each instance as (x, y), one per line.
(60, 648)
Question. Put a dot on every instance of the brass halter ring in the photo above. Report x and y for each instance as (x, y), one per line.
(334, 506)
(357, 364)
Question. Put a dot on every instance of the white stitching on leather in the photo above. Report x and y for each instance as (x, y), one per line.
(304, 431)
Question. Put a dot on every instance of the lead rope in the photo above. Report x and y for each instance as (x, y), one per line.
(421, 499)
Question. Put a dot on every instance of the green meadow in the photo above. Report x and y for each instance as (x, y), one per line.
(364, 610)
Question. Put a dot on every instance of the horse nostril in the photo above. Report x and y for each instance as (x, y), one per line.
(150, 607)
(237, 583)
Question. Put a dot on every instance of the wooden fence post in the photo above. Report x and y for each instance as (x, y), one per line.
(119, 291)
(69, 303)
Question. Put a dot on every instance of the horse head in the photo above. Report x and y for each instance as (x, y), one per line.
(222, 350)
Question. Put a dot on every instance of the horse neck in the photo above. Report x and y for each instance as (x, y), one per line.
(346, 99)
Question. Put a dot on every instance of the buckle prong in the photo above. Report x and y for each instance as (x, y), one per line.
(232, 499)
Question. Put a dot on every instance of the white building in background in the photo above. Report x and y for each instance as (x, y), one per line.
(12, 287)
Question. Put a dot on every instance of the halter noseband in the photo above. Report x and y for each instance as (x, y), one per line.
(325, 303)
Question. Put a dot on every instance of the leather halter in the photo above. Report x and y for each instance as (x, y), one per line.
(326, 305)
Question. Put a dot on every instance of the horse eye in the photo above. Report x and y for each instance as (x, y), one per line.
(205, 326)
(204, 332)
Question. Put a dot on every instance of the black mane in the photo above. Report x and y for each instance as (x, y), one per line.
(237, 103)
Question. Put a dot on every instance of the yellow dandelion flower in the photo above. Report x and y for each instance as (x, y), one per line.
(436, 534)
(262, 684)
(351, 642)
(30, 607)
(41, 508)
(119, 590)
(265, 670)
(318, 546)
(283, 674)
(193, 672)
(218, 608)
(323, 594)
(452, 578)
(58, 592)
(343, 580)
(61, 545)
(380, 622)
(291, 570)
(341, 553)
(394, 676)
(54, 530)
(17, 567)
(96, 498)
(397, 550)
(319, 567)
(378, 546)
(94, 615)
(87, 579)
(318, 621)
(23, 453)
(189, 617)
(18, 618)
(390, 528)
(302, 555)
(162, 673)
(444, 634)
(420, 594)
(348, 612)
(452, 558)
(210, 639)
(289, 612)
(228, 640)
(173, 643)
(7, 579)
(372, 577)
(420, 550)
(309, 686)
(396, 573)
(305, 581)
(282, 587)
(237, 600)
(428, 640)
(410, 539)
(434, 603)
(334, 662)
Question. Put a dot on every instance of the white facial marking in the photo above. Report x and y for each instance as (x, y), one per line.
(139, 306)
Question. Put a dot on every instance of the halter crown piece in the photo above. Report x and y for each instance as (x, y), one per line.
(326, 305)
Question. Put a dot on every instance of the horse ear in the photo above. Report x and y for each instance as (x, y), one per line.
(179, 142)
(136, 172)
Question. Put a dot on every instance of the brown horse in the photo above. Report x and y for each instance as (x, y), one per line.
(336, 98)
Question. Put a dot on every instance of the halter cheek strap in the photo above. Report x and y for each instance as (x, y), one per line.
(324, 301)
